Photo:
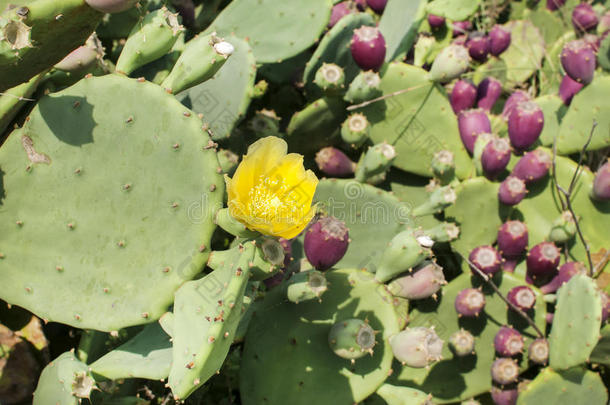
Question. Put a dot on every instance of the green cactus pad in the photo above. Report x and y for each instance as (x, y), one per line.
(603, 56)
(290, 26)
(553, 110)
(146, 355)
(458, 378)
(588, 106)
(399, 24)
(541, 207)
(402, 395)
(57, 28)
(206, 315)
(335, 48)
(63, 381)
(111, 185)
(575, 324)
(477, 195)
(551, 74)
(574, 386)
(457, 10)
(289, 343)
(13, 99)
(418, 123)
(601, 352)
(373, 217)
(411, 190)
(224, 99)
(312, 128)
(550, 25)
(524, 55)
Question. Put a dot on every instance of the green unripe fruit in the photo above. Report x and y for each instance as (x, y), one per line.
(449, 64)
(306, 285)
(364, 87)
(403, 253)
(462, 343)
(265, 123)
(355, 129)
(351, 339)
(563, 228)
(330, 78)
(443, 166)
(377, 159)
(440, 198)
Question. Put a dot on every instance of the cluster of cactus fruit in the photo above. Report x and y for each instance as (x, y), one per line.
(459, 249)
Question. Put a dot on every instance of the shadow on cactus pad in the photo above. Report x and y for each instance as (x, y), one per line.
(287, 357)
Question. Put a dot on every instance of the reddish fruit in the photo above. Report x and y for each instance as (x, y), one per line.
(568, 89)
(461, 27)
(512, 101)
(578, 60)
(463, 96)
(538, 352)
(436, 21)
(525, 124)
(488, 92)
(478, 46)
(495, 157)
(334, 163)
(522, 297)
(368, 48)
(326, 242)
(601, 183)
(472, 123)
(499, 40)
(542, 261)
(554, 4)
(339, 11)
(512, 239)
(469, 302)
(508, 342)
(565, 273)
(486, 258)
(504, 397)
(377, 5)
(584, 18)
(512, 191)
(532, 166)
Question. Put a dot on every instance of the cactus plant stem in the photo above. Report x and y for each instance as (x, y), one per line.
(568, 193)
(385, 96)
(488, 280)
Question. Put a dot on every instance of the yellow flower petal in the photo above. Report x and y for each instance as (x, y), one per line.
(271, 192)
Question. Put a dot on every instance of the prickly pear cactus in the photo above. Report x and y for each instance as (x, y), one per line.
(101, 149)
(281, 330)
(65, 380)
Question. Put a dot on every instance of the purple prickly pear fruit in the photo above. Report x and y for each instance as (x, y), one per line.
(605, 306)
(469, 302)
(554, 4)
(417, 347)
(488, 92)
(462, 343)
(478, 46)
(578, 60)
(568, 89)
(463, 96)
(495, 157)
(538, 351)
(326, 242)
(509, 265)
(287, 246)
(512, 239)
(522, 297)
(542, 260)
(508, 342)
(425, 280)
(525, 124)
(377, 5)
(368, 48)
(549, 317)
(111, 6)
(461, 27)
(334, 163)
(436, 21)
(584, 18)
(512, 101)
(486, 258)
(504, 371)
(565, 273)
(471, 124)
(339, 11)
(504, 397)
(499, 40)
(512, 190)
(533, 166)
(601, 183)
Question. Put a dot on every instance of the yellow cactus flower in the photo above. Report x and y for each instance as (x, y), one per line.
(271, 192)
